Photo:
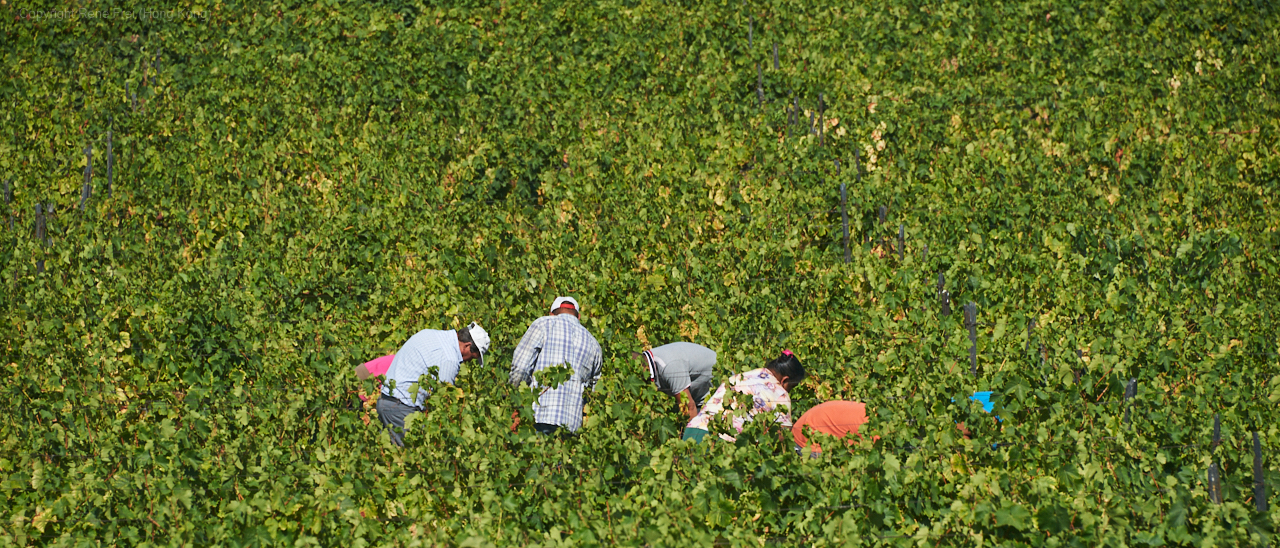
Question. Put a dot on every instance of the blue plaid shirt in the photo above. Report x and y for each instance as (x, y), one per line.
(552, 341)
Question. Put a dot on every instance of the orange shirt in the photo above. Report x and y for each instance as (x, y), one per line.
(837, 418)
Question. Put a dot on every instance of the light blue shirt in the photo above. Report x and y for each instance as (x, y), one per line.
(426, 349)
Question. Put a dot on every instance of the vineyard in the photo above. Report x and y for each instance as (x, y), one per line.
(213, 212)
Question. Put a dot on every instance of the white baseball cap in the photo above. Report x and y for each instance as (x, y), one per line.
(481, 339)
(565, 302)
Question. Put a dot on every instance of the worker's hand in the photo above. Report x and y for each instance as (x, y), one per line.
(687, 406)
(515, 420)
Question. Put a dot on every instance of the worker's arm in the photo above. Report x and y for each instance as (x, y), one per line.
(362, 372)
(687, 404)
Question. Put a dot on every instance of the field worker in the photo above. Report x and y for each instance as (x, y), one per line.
(558, 339)
(374, 368)
(835, 418)
(444, 350)
(769, 386)
(683, 370)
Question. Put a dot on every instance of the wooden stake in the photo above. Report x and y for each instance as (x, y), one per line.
(902, 240)
(822, 107)
(944, 296)
(844, 221)
(1215, 484)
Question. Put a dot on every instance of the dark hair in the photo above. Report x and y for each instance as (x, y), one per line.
(464, 335)
(787, 365)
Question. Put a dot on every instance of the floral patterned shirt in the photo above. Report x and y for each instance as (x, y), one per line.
(768, 393)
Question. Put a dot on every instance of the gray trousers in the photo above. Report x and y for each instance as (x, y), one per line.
(392, 413)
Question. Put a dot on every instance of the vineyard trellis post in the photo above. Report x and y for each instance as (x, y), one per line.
(1215, 483)
(1215, 476)
(793, 112)
(944, 296)
(87, 189)
(902, 240)
(1217, 430)
(775, 56)
(822, 107)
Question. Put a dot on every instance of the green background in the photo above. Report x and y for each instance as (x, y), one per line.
(298, 188)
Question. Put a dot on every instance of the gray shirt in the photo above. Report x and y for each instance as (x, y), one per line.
(682, 365)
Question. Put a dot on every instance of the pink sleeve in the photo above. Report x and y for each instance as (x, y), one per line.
(379, 366)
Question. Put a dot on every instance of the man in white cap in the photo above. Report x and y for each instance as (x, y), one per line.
(683, 370)
(430, 348)
(550, 341)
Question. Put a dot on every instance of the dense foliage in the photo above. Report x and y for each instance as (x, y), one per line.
(297, 188)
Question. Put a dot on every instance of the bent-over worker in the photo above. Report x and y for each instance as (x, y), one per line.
(682, 370)
(769, 387)
(444, 350)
